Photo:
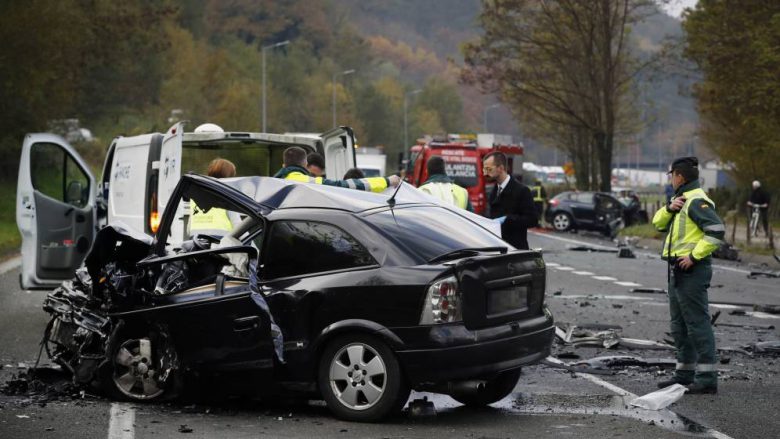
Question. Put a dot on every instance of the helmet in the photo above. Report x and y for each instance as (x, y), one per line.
(209, 128)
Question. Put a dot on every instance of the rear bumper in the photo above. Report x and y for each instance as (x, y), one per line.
(451, 352)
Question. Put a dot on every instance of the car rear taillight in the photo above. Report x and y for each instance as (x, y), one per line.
(442, 303)
(554, 203)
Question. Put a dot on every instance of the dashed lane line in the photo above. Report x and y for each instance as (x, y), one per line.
(628, 284)
(650, 255)
(607, 278)
(583, 273)
(564, 268)
(120, 425)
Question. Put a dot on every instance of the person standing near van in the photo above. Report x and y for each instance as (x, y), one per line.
(214, 221)
(315, 164)
(295, 169)
(441, 186)
(509, 202)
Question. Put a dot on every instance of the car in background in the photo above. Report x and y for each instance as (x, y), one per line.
(351, 296)
(573, 210)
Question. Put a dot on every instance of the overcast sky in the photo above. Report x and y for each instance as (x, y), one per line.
(675, 7)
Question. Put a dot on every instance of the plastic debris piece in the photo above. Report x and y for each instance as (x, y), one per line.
(771, 309)
(626, 252)
(746, 326)
(648, 290)
(421, 408)
(184, 429)
(660, 399)
(587, 248)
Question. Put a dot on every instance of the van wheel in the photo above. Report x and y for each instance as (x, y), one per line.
(360, 379)
(142, 368)
(495, 390)
(561, 221)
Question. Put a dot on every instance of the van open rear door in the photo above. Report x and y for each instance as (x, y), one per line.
(169, 173)
(55, 210)
(339, 152)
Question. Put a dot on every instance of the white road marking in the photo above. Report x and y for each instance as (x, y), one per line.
(651, 255)
(10, 264)
(122, 419)
(552, 264)
(623, 392)
(583, 273)
(761, 315)
(628, 284)
(611, 279)
(564, 268)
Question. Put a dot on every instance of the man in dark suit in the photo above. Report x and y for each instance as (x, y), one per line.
(509, 202)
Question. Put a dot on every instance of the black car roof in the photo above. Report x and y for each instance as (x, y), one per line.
(276, 193)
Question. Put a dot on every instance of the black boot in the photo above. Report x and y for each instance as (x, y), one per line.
(673, 381)
(699, 389)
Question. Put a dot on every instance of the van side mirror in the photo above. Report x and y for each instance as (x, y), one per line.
(74, 194)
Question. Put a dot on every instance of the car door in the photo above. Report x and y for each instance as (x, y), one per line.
(339, 152)
(169, 173)
(582, 207)
(55, 210)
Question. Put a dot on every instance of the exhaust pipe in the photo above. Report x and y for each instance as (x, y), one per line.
(460, 387)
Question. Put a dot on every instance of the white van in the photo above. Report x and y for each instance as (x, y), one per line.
(60, 205)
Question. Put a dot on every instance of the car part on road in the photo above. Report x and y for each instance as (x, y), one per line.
(771, 309)
(660, 398)
(587, 248)
(421, 407)
(769, 274)
(626, 252)
(746, 326)
(648, 290)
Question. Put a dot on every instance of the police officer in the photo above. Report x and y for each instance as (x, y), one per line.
(214, 221)
(295, 169)
(694, 232)
(440, 185)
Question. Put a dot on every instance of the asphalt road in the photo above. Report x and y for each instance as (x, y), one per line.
(583, 287)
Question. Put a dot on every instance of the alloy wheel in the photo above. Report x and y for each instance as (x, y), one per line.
(134, 373)
(358, 376)
(561, 222)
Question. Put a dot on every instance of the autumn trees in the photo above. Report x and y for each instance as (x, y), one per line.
(736, 46)
(566, 69)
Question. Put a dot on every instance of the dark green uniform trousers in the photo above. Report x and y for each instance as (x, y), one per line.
(691, 328)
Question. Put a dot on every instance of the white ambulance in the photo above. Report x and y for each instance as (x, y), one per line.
(60, 205)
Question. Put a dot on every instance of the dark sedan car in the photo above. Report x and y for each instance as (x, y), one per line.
(349, 295)
(585, 210)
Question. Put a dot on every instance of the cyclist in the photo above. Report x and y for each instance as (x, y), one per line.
(759, 198)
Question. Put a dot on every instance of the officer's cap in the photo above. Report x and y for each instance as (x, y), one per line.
(684, 163)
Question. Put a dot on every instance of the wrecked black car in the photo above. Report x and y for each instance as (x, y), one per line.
(313, 290)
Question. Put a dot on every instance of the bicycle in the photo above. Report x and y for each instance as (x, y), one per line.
(755, 218)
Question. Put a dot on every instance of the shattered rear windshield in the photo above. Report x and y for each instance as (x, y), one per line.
(427, 232)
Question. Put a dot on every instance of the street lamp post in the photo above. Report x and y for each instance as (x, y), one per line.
(406, 119)
(485, 117)
(343, 73)
(270, 46)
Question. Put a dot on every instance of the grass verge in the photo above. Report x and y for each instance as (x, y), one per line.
(646, 231)
(10, 239)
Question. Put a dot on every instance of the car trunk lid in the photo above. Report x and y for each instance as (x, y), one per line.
(500, 289)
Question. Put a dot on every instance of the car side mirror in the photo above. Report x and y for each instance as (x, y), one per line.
(74, 193)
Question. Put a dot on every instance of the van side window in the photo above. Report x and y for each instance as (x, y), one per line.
(303, 247)
(57, 175)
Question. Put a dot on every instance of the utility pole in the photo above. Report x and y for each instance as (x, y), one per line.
(342, 73)
(270, 46)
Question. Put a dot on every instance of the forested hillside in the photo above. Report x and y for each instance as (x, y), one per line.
(122, 67)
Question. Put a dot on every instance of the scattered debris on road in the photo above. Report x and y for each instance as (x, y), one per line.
(648, 290)
(769, 274)
(661, 398)
(421, 408)
(587, 248)
(604, 335)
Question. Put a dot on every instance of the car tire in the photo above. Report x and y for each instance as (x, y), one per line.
(360, 379)
(132, 371)
(495, 390)
(561, 221)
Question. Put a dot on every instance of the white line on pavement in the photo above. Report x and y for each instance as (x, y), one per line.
(10, 264)
(552, 264)
(611, 279)
(122, 419)
(583, 273)
(628, 284)
(623, 392)
(564, 268)
(652, 255)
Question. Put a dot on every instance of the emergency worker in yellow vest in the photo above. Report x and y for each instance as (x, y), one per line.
(215, 221)
(694, 231)
(540, 197)
(295, 169)
(442, 187)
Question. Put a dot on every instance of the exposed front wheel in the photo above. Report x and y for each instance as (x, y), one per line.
(495, 390)
(142, 369)
(561, 221)
(360, 379)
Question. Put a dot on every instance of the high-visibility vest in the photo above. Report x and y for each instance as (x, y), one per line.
(374, 184)
(537, 193)
(448, 192)
(684, 234)
(215, 219)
